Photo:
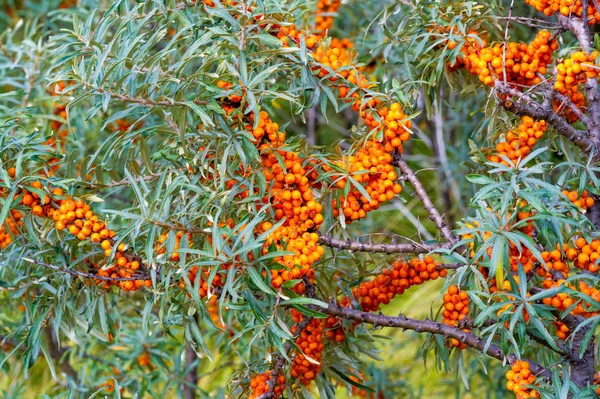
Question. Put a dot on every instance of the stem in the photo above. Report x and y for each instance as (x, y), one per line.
(415, 248)
(525, 105)
(432, 327)
(434, 215)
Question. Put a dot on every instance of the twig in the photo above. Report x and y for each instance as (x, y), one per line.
(84, 274)
(357, 246)
(422, 326)
(434, 215)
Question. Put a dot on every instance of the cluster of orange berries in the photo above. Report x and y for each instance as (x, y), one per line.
(234, 98)
(260, 385)
(562, 301)
(456, 309)
(76, 217)
(597, 382)
(161, 247)
(289, 35)
(143, 360)
(389, 119)
(336, 56)
(213, 310)
(519, 143)
(519, 377)
(394, 281)
(566, 8)
(572, 72)
(293, 201)
(562, 331)
(266, 128)
(554, 262)
(39, 204)
(310, 342)
(10, 228)
(124, 267)
(396, 129)
(585, 255)
(379, 181)
(521, 62)
(333, 329)
(584, 201)
(324, 15)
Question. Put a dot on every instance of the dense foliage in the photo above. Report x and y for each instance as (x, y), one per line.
(236, 199)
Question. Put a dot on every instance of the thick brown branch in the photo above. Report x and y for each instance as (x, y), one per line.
(525, 105)
(357, 246)
(426, 326)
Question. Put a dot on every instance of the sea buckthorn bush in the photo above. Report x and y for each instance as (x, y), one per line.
(260, 199)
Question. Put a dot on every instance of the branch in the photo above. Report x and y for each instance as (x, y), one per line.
(84, 274)
(432, 327)
(525, 105)
(357, 246)
(280, 360)
(434, 215)
(124, 182)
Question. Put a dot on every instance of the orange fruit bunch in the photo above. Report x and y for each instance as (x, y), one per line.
(324, 15)
(572, 72)
(379, 181)
(259, 385)
(234, 98)
(562, 331)
(10, 228)
(124, 267)
(333, 329)
(310, 342)
(521, 61)
(456, 308)
(520, 142)
(143, 360)
(566, 8)
(289, 35)
(518, 378)
(336, 56)
(394, 281)
(584, 201)
(76, 217)
(391, 120)
(585, 255)
(555, 263)
(562, 301)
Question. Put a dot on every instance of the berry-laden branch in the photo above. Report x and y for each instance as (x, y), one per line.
(280, 359)
(432, 327)
(525, 105)
(581, 30)
(84, 274)
(357, 246)
(434, 214)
